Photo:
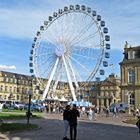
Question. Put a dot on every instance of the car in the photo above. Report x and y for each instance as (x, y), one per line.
(122, 107)
(35, 107)
(7, 104)
(18, 105)
(39, 108)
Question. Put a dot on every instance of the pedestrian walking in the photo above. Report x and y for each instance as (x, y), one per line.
(1, 106)
(138, 123)
(74, 113)
(90, 114)
(66, 118)
(114, 111)
(107, 111)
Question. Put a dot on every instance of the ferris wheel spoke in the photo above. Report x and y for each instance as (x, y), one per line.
(84, 56)
(85, 39)
(69, 35)
(48, 66)
(46, 69)
(43, 54)
(79, 64)
(82, 32)
(43, 62)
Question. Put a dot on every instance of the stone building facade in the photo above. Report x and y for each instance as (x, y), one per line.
(14, 86)
(107, 92)
(130, 76)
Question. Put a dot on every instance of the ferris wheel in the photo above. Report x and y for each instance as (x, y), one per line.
(70, 46)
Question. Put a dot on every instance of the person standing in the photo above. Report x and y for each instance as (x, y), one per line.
(66, 118)
(107, 111)
(1, 106)
(114, 111)
(138, 123)
(90, 114)
(74, 113)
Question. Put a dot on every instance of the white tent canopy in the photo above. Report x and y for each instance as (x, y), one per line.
(56, 98)
(63, 99)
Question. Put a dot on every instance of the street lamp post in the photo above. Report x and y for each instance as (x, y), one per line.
(29, 105)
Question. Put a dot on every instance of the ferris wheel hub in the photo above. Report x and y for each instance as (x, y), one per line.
(59, 50)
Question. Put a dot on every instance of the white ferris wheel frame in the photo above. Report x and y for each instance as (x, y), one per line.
(63, 59)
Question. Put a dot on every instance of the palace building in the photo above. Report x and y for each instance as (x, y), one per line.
(14, 86)
(130, 76)
(107, 92)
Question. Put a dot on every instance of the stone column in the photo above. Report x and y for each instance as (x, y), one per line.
(97, 102)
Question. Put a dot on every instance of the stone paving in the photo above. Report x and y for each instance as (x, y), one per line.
(51, 128)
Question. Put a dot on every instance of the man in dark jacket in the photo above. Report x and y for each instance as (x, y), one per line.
(66, 118)
(74, 113)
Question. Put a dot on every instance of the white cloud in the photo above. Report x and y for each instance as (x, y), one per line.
(7, 67)
(21, 22)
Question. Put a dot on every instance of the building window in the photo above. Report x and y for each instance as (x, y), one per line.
(18, 90)
(7, 80)
(131, 76)
(5, 97)
(22, 90)
(137, 54)
(18, 81)
(131, 54)
(1, 79)
(132, 99)
(15, 89)
(6, 88)
(15, 81)
(18, 97)
(10, 89)
(11, 80)
(1, 88)
(26, 90)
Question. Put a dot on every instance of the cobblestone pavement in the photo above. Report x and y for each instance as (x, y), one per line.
(51, 128)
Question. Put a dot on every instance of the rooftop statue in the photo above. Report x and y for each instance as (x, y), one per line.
(126, 44)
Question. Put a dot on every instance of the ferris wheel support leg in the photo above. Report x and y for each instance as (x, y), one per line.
(50, 79)
(74, 76)
(69, 80)
(56, 80)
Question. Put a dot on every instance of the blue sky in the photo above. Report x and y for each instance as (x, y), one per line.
(20, 20)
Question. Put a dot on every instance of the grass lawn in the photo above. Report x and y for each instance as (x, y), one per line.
(13, 127)
(14, 110)
(131, 121)
(18, 115)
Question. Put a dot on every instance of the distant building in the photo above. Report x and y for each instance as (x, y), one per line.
(130, 76)
(14, 86)
(107, 92)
